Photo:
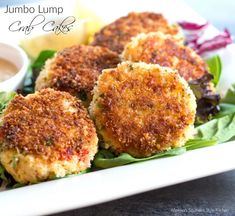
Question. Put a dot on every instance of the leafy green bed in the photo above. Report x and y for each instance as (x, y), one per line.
(210, 130)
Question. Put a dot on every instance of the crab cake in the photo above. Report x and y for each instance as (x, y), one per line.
(142, 109)
(158, 48)
(117, 34)
(45, 135)
(76, 69)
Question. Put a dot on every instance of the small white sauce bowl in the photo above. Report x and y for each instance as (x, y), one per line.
(18, 57)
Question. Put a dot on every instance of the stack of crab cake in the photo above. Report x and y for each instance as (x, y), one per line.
(49, 134)
(141, 106)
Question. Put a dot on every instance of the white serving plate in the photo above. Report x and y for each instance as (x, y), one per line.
(106, 185)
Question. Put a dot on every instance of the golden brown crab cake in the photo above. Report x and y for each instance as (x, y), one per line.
(142, 109)
(117, 34)
(162, 49)
(76, 69)
(45, 135)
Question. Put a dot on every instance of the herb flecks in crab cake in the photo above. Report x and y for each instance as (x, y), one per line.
(45, 135)
(117, 34)
(158, 48)
(142, 109)
(162, 49)
(76, 69)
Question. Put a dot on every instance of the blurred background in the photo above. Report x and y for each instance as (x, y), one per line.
(220, 13)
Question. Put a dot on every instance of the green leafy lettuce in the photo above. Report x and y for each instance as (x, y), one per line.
(215, 68)
(199, 143)
(222, 126)
(40, 61)
(5, 98)
(230, 96)
(35, 69)
(106, 159)
(225, 109)
(227, 105)
(207, 99)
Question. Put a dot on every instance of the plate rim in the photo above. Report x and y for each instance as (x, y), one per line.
(20, 208)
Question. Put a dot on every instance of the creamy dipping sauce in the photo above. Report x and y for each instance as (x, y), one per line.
(7, 69)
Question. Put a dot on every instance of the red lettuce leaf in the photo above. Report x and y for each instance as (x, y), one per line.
(192, 26)
(207, 99)
(194, 32)
(217, 42)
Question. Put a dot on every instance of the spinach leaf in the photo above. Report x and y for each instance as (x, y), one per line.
(18, 185)
(221, 129)
(42, 57)
(227, 105)
(199, 143)
(28, 86)
(225, 109)
(230, 96)
(40, 61)
(106, 159)
(5, 98)
(215, 68)
(35, 69)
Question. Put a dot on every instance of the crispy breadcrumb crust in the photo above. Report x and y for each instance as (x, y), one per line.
(117, 34)
(49, 124)
(158, 48)
(142, 109)
(76, 69)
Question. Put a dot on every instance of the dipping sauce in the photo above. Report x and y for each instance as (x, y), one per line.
(7, 69)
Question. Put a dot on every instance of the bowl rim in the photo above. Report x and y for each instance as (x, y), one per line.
(25, 62)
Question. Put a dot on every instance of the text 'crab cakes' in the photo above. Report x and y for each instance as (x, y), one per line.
(143, 109)
(117, 34)
(76, 69)
(45, 135)
(158, 48)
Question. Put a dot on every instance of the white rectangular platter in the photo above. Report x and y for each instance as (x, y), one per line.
(105, 185)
